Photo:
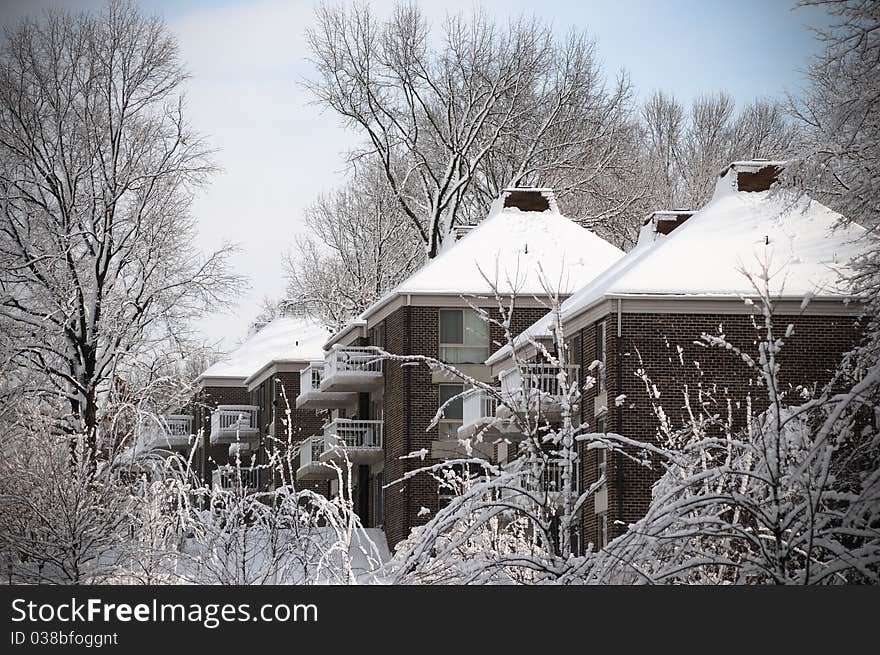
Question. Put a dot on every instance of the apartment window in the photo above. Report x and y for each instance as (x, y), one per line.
(377, 335)
(602, 537)
(574, 350)
(601, 454)
(464, 337)
(452, 415)
(379, 500)
(600, 356)
(575, 540)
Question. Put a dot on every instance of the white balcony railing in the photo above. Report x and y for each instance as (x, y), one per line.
(353, 433)
(358, 440)
(551, 477)
(178, 425)
(310, 465)
(352, 368)
(477, 410)
(230, 477)
(539, 387)
(171, 431)
(353, 358)
(547, 379)
(311, 396)
(310, 451)
(478, 406)
(310, 377)
(231, 423)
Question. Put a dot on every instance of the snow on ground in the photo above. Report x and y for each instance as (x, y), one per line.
(368, 554)
(286, 338)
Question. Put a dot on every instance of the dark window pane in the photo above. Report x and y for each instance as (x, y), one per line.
(451, 326)
(453, 411)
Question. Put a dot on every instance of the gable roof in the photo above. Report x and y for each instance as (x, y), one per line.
(807, 248)
(514, 249)
(286, 338)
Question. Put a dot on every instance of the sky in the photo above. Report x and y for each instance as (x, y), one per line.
(277, 151)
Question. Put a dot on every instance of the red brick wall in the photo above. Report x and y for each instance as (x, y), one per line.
(649, 342)
(207, 399)
(303, 422)
(404, 499)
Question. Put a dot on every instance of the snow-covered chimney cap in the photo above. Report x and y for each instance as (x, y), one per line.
(753, 174)
(530, 199)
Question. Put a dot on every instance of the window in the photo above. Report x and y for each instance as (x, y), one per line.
(574, 350)
(601, 454)
(602, 526)
(377, 335)
(464, 337)
(452, 416)
(379, 500)
(600, 356)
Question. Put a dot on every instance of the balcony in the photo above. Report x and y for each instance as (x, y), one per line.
(551, 478)
(231, 478)
(173, 431)
(352, 369)
(310, 466)
(231, 423)
(538, 388)
(360, 441)
(310, 394)
(478, 415)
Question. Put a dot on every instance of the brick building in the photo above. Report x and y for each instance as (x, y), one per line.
(383, 410)
(240, 401)
(688, 277)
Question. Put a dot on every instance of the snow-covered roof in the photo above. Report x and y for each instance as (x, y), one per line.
(515, 249)
(286, 338)
(806, 247)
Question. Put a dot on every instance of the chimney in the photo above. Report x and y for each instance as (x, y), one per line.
(460, 231)
(661, 223)
(255, 327)
(753, 174)
(529, 199)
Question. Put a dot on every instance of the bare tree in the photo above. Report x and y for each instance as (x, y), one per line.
(839, 163)
(488, 107)
(683, 151)
(60, 523)
(359, 246)
(97, 170)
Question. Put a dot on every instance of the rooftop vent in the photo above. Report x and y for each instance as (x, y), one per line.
(753, 174)
(529, 199)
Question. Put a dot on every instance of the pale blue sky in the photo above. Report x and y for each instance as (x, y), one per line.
(278, 152)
